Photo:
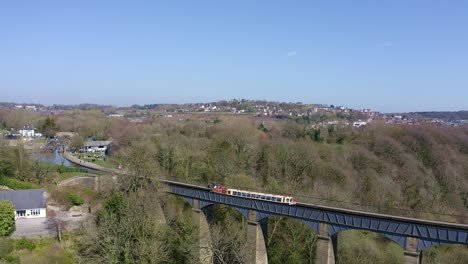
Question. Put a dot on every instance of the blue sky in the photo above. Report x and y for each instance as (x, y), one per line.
(407, 55)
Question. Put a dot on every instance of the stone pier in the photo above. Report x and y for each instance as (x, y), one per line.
(204, 244)
(411, 254)
(256, 247)
(325, 253)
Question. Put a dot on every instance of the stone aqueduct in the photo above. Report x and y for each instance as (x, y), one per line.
(413, 235)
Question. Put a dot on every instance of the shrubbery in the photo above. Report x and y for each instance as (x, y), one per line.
(16, 184)
(24, 243)
(75, 199)
(68, 169)
(7, 218)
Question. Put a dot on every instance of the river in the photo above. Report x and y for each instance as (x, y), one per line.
(56, 158)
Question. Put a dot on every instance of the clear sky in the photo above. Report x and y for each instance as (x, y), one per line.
(393, 55)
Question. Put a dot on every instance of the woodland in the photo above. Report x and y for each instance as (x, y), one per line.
(416, 171)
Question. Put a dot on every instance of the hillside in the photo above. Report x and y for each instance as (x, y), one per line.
(419, 171)
(444, 115)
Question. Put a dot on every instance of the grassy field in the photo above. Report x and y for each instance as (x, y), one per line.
(108, 163)
(59, 173)
(55, 173)
(16, 184)
(40, 251)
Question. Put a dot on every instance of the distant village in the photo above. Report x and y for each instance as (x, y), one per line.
(315, 114)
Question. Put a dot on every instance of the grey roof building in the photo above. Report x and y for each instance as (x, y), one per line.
(97, 143)
(25, 199)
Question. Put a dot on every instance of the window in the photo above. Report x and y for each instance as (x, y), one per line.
(35, 212)
(278, 199)
(263, 197)
(21, 213)
(257, 196)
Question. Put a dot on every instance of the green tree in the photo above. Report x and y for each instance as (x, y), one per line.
(49, 127)
(7, 218)
(314, 134)
(166, 157)
(262, 128)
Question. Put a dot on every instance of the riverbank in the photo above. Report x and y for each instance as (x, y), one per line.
(88, 164)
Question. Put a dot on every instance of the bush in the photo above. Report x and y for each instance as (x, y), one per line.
(7, 218)
(24, 243)
(75, 199)
(67, 169)
(16, 184)
(114, 203)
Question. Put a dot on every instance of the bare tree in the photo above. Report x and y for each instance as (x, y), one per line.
(129, 231)
(228, 243)
(56, 223)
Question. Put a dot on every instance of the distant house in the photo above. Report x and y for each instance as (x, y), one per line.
(359, 123)
(97, 146)
(28, 203)
(116, 115)
(29, 132)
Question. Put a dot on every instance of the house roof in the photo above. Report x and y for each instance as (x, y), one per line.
(97, 143)
(25, 199)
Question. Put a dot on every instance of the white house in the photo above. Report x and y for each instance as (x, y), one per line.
(359, 123)
(28, 203)
(29, 132)
(30, 107)
(116, 115)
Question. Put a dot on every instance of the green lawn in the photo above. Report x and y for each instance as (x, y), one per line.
(108, 163)
(54, 173)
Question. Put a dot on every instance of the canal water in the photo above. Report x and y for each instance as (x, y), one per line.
(56, 157)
